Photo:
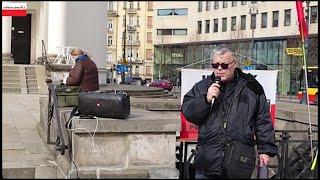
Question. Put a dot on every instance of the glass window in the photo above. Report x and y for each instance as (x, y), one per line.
(253, 21)
(180, 12)
(208, 5)
(314, 14)
(109, 40)
(149, 36)
(148, 70)
(125, 5)
(287, 17)
(224, 24)
(138, 22)
(164, 31)
(165, 12)
(234, 3)
(253, 2)
(124, 19)
(233, 23)
(275, 18)
(137, 36)
(199, 6)
(110, 24)
(216, 4)
(138, 4)
(215, 25)
(149, 21)
(149, 54)
(243, 22)
(150, 5)
(264, 20)
(111, 6)
(225, 4)
(131, 5)
(199, 27)
(179, 31)
(243, 2)
(207, 26)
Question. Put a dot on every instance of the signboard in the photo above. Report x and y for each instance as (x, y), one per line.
(121, 68)
(267, 78)
(294, 51)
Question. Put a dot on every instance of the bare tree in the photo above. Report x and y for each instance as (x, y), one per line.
(163, 42)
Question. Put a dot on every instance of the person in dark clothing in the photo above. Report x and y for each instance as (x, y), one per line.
(84, 73)
(230, 115)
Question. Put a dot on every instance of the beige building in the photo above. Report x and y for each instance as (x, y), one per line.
(138, 46)
(187, 31)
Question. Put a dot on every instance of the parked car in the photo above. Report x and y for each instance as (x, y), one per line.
(162, 83)
(133, 80)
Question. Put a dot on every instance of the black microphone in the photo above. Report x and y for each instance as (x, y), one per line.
(218, 81)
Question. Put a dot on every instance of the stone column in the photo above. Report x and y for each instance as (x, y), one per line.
(6, 40)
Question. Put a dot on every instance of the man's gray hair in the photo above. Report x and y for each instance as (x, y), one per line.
(220, 50)
(77, 50)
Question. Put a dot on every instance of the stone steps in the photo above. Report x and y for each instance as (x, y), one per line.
(11, 79)
(11, 90)
(31, 80)
(11, 85)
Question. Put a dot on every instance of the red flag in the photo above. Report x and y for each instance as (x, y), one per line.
(302, 23)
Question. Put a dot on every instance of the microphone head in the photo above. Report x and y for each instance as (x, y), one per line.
(218, 79)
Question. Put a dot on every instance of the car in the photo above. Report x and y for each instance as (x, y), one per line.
(162, 83)
(132, 80)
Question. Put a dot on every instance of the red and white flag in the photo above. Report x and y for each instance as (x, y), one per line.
(14, 8)
(302, 22)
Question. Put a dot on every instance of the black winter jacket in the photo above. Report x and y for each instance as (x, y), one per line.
(247, 116)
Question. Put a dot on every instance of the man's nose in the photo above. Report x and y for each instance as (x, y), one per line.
(219, 67)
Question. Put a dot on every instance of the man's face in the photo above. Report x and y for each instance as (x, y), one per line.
(224, 66)
(74, 55)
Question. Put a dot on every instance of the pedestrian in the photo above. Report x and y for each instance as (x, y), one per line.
(84, 73)
(230, 115)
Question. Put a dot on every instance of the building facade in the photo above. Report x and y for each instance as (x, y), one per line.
(130, 25)
(258, 31)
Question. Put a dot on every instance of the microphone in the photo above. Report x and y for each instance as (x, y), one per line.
(218, 81)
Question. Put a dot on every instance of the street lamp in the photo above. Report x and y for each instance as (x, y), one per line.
(124, 43)
(253, 11)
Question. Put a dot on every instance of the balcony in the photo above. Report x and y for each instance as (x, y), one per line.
(135, 60)
(131, 27)
(131, 11)
(112, 13)
(110, 30)
(129, 43)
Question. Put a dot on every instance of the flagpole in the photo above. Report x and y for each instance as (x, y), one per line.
(306, 85)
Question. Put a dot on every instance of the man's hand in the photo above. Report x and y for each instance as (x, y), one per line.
(264, 158)
(213, 92)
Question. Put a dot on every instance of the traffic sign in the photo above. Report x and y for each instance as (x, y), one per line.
(121, 68)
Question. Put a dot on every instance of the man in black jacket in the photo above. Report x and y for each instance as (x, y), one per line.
(230, 114)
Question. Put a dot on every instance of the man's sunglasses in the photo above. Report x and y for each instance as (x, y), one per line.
(223, 65)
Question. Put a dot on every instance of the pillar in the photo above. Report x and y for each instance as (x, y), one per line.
(6, 40)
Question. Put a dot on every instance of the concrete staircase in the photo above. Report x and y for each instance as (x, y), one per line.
(11, 79)
(31, 80)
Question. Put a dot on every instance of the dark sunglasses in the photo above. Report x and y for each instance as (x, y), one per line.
(223, 65)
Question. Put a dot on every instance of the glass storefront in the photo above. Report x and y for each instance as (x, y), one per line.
(267, 54)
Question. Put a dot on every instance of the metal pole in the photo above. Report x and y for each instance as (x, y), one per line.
(130, 72)
(124, 43)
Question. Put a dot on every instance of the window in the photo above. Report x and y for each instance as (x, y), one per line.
(233, 23)
(125, 5)
(110, 24)
(130, 20)
(234, 3)
(199, 27)
(148, 70)
(131, 5)
(243, 2)
(207, 26)
(208, 5)
(124, 20)
(138, 21)
(149, 54)
(264, 20)
(224, 24)
(150, 6)
(138, 4)
(199, 6)
(179, 31)
(225, 4)
(253, 2)
(275, 18)
(149, 21)
(164, 31)
(253, 21)
(137, 70)
(243, 22)
(137, 36)
(216, 4)
(149, 36)
(130, 37)
(109, 40)
(287, 17)
(170, 12)
(314, 14)
(109, 58)
(215, 25)
(111, 6)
